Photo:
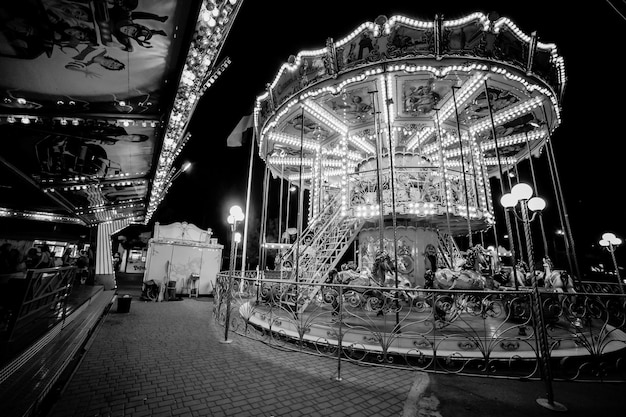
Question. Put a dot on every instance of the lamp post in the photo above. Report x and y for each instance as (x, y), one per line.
(185, 167)
(236, 216)
(522, 193)
(237, 240)
(611, 242)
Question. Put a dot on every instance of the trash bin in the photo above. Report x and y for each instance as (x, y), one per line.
(171, 290)
(123, 303)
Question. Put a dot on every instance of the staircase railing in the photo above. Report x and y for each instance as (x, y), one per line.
(448, 250)
(320, 247)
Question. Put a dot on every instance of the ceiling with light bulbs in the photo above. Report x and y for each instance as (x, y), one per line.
(95, 100)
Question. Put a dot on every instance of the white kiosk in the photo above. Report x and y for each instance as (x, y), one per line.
(180, 251)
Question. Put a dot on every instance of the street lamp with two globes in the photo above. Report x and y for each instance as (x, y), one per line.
(611, 242)
(236, 216)
(523, 194)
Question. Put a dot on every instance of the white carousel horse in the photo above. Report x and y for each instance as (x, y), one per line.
(557, 280)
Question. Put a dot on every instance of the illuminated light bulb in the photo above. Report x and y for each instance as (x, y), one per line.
(508, 200)
(536, 204)
(522, 191)
(609, 237)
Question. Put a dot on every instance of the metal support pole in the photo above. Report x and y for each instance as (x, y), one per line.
(514, 225)
(229, 292)
(379, 193)
(467, 208)
(620, 284)
(445, 179)
(544, 352)
(393, 209)
(529, 239)
(339, 333)
(532, 171)
(507, 218)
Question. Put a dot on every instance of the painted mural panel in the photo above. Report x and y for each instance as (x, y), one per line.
(85, 55)
(310, 70)
(52, 152)
(354, 106)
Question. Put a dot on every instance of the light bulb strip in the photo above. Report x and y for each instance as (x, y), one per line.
(420, 137)
(325, 117)
(507, 114)
(293, 140)
(289, 161)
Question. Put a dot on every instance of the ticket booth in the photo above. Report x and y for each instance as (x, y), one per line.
(185, 254)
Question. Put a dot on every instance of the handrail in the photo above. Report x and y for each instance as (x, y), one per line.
(41, 292)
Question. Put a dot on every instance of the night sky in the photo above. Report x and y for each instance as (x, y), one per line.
(589, 35)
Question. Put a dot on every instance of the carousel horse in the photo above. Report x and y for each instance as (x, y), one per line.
(380, 276)
(467, 275)
(557, 280)
(506, 276)
(353, 293)
(384, 271)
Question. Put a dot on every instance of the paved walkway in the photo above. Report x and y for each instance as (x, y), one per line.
(166, 359)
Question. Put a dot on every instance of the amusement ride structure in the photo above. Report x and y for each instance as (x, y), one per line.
(395, 136)
(396, 130)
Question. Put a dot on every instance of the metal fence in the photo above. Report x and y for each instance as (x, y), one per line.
(525, 334)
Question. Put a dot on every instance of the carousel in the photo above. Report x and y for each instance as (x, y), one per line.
(398, 139)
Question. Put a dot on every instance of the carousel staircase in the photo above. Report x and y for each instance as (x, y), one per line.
(448, 251)
(319, 249)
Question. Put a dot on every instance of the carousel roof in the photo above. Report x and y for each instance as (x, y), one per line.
(96, 99)
(428, 82)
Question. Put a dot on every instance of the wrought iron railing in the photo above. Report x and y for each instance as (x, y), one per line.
(481, 333)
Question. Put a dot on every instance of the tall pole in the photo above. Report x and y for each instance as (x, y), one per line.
(300, 201)
(263, 232)
(532, 171)
(287, 215)
(619, 278)
(245, 224)
(393, 202)
(485, 178)
(529, 238)
(444, 176)
(280, 204)
(518, 234)
(229, 291)
(458, 129)
(507, 218)
(559, 194)
(379, 194)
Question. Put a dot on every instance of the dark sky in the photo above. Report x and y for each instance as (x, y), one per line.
(589, 35)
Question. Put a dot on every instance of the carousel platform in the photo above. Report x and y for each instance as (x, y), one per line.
(479, 327)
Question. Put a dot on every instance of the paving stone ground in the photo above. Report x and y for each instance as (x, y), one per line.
(167, 359)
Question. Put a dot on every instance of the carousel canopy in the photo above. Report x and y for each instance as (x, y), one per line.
(96, 99)
(471, 89)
